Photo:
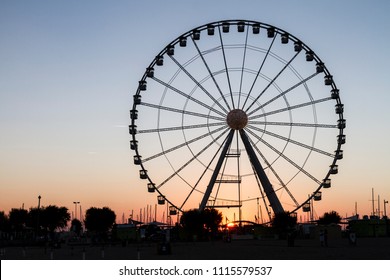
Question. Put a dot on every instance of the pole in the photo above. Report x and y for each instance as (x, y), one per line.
(261, 215)
(39, 206)
(384, 206)
(372, 198)
(356, 209)
(311, 209)
(75, 208)
(167, 212)
(80, 214)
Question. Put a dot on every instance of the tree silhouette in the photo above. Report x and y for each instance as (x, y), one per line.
(212, 219)
(331, 217)
(18, 219)
(99, 220)
(50, 218)
(34, 218)
(4, 222)
(192, 223)
(201, 223)
(55, 217)
(283, 223)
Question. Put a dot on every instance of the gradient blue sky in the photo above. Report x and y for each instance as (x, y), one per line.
(68, 70)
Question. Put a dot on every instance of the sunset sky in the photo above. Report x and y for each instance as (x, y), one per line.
(69, 69)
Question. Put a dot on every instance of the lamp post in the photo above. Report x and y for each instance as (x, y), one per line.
(385, 217)
(39, 206)
(75, 208)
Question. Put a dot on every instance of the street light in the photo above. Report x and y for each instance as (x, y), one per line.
(75, 208)
(39, 206)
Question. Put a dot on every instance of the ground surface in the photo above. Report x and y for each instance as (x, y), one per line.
(269, 249)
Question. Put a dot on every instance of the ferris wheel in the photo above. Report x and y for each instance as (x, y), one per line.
(237, 114)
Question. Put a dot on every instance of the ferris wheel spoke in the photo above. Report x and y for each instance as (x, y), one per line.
(272, 81)
(199, 84)
(283, 93)
(191, 160)
(284, 186)
(184, 127)
(183, 144)
(211, 74)
(243, 66)
(187, 96)
(226, 66)
(298, 106)
(291, 141)
(299, 168)
(259, 71)
(182, 111)
(315, 125)
(320, 125)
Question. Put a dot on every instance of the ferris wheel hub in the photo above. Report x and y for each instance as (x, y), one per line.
(237, 119)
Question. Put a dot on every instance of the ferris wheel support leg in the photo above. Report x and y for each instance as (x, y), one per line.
(216, 170)
(269, 190)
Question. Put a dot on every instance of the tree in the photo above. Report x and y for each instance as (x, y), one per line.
(55, 217)
(4, 222)
(283, 223)
(34, 219)
(212, 219)
(192, 223)
(331, 217)
(18, 219)
(99, 220)
(201, 223)
(49, 218)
